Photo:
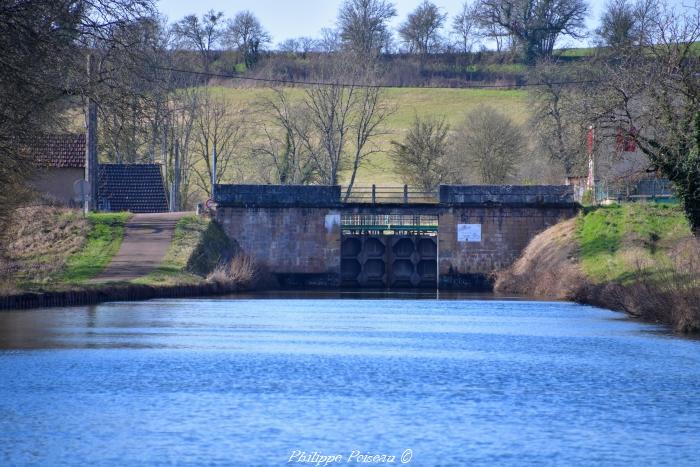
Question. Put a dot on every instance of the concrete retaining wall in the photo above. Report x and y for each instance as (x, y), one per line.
(108, 293)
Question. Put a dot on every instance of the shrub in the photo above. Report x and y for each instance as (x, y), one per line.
(241, 270)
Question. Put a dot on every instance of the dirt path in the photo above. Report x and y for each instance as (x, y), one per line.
(146, 241)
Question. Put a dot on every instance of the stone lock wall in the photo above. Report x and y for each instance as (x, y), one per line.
(293, 232)
(484, 229)
(469, 262)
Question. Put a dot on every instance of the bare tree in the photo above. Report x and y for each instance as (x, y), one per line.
(285, 127)
(625, 24)
(490, 145)
(248, 36)
(218, 132)
(424, 158)
(501, 37)
(329, 41)
(298, 46)
(363, 25)
(130, 90)
(178, 134)
(464, 28)
(535, 24)
(557, 117)
(421, 30)
(201, 35)
(617, 24)
(346, 117)
(290, 46)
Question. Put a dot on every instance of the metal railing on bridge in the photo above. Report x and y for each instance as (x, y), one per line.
(389, 224)
(388, 195)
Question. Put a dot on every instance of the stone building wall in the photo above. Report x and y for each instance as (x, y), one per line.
(300, 246)
(491, 239)
(57, 183)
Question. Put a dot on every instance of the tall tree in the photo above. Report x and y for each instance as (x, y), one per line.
(219, 130)
(424, 158)
(363, 25)
(43, 47)
(130, 90)
(285, 126)
(421, 30)
(464, 28)
(558, 118)
(329, 41)
(652, 92)
(617, 25)
(346, 117)
(491, 146)
(203, 35)
(625, 24)
(535, 24)
(246, 34)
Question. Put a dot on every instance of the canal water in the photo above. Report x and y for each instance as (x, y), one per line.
(265, 380)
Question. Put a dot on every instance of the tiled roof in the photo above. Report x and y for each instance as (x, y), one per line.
(61, 151)
(136, 188)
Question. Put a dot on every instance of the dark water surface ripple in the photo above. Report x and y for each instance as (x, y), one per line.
(248, 381)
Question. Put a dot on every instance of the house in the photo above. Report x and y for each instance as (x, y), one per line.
(60, 162)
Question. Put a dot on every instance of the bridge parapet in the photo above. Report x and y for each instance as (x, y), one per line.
(297, 196)
(510, 195)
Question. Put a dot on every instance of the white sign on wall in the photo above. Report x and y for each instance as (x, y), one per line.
(469, 233)
(332, 221)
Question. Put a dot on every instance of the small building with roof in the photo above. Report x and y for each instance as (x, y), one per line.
(60, 163)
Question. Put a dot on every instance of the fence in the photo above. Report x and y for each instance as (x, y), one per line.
(389, 224)
(648, 189)
(388, 195)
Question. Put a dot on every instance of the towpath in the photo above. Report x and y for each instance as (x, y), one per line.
(146, 241)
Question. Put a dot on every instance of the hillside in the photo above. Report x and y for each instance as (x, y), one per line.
(452, 104)
(637, 258)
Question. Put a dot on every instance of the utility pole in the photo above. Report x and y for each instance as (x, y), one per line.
(91, 163)
(175, 187)
(213, 172)
(590, 146)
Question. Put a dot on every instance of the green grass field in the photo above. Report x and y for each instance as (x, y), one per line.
(452, 104)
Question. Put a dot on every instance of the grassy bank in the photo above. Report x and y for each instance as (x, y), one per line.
(52, 254)
(50, 248)
(101, 243)
(637, 258)
(198, 246)
(55, 249)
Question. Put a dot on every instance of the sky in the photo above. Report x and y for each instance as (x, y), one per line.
(285, 19)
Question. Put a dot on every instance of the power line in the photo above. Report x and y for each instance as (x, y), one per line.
(378, 86)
